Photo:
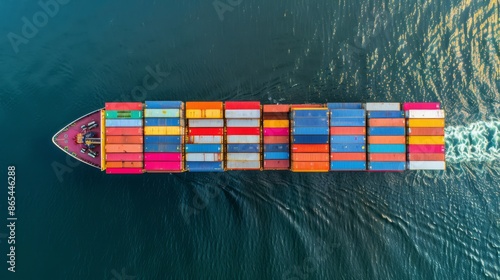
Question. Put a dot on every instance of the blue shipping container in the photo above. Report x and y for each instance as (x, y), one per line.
(162, 122)
(347, 122)
(348, 113)
(276, 155)
(311, 130)
(309, 122)
(203, 148)
(347, 139)
(162, 148)
(162, 139)
(386, 148)
(386, 114)
(204, 166)
(310, 139)
(344, 106)
(347, 148)
(347, 165)
(276, 147)
(387, 165)
(386, 131)
(243, 148)
(322, 113)
(124, 123)
(163, 104)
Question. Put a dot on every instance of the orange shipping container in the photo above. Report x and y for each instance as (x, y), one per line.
(307, 106)
(348, 156)
(276, 108)
(387, 139)
(311, 166)
(422, 131)
(310, 148)
(204, 105)
(426, 157)
(386, 122)
(347, 130)
(123, 148)
(276, 139)
(124, 164)
(124, 139)
(387, 157)
(310, 156)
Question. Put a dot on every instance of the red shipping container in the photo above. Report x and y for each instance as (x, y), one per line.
(276, 131)
(162, 156)
(124, 131)
(243, 105)
(387, 122)
(124, 157)
(310, 157)
(205, 131)
(386, 140)
(162, 166)
(426, 131)
(276, 108)
(276, 164)
(421, 106)
(310, 148)
(129, 139)
(243, 131)
(425, 148)
(387, 157)
(426, 157)
(123, 106)
(276, 140)
(348, 156)
(348, 130)
(124, 171)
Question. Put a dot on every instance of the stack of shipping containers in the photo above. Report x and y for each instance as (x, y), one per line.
(386, 137)
(243, 150)
(123, 142)
(310, 135)
(276, 130)
(204, 144)
(163, 136)
(426, 144)
(347, 136)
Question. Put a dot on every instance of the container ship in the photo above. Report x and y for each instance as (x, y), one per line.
(177, 136)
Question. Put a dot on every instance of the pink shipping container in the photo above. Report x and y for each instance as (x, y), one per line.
(425, 149)
(162, 156)
(124, 157)
(276, 131)
(421, 106)
(162, 166)
(124, 171)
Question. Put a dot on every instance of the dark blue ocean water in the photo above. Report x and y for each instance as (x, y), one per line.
(251, 225)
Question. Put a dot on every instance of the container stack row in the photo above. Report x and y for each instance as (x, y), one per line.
(310, 139)
(163, 136)
(276, 127)
(426, 143)
(243, 141)
(204, 144)
(347, 137)
(124, 138)
(386, 137)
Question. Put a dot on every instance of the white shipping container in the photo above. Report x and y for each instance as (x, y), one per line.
(382, 106)
(206, 123)
(243, 165)
(425, 114)
(242, 114)
(243, 156)
(203, 156)
(205, 139)
(426, 165)
(243, 139)
(243, 123)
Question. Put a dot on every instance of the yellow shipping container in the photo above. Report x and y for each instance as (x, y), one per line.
(162, 130)
(425, 123)
(429, 140)
(193, 114)
(213, 114)
(276, 123)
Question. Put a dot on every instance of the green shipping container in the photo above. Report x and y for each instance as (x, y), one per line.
(123, 114)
